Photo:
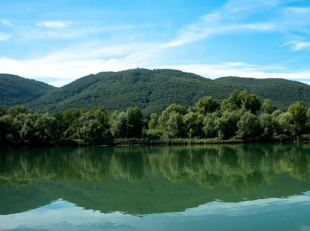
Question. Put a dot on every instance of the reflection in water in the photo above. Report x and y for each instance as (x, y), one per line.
(145, 180)
(250, 187)
(241, 167)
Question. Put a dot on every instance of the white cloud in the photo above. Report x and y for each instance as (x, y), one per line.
(5, 22)
(298, 45)
(243, 70)
(232, 17)
(54, 24)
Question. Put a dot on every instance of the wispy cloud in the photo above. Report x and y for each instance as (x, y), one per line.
(230, 18)
(5, 22)
(244, 70)
(54, 24)
(298, 45)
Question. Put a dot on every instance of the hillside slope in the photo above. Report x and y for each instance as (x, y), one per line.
(154, 90)
(151, 91)
(282, 92)
(16, 90)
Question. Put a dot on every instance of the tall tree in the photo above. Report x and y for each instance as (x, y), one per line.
(299, 112)
(207, 105)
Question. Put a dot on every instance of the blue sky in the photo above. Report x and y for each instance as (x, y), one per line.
(58, 41)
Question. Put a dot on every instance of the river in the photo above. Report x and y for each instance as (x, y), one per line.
(208, 187)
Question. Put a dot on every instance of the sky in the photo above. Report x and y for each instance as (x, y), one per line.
(58, 41)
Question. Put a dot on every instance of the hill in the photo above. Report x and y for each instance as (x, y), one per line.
(282, 92)
(150, 90)
(16, 90)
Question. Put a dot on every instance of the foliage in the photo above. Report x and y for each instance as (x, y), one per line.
(154, 90)
(247, 126)
(268, 106)
(205, 122)
(241, 99)
(206, 105)
(193, 124)
(153, 121)
(15, 90)
(299, 112)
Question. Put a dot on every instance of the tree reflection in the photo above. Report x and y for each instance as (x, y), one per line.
(243, 168)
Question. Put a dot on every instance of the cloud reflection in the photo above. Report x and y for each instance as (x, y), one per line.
(63, 215)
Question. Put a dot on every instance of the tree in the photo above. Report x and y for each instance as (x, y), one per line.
(6, 122)
(46, 128)
(3, 111)
(28, 131)
(118, 124)
(90, 131)
(175, 125)
(267, 124)
(250, 102)
(268, 106)
(241, 99)
(247, 126)
(227, 124)
(127, 124)
(299, 112)
(153, 121)
(192, 124)
(206, 105)
(286, 124)
(209, 124)
(163, 119)
(134, 123)
(14, 111)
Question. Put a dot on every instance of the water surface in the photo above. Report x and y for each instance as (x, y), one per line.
(216, 187)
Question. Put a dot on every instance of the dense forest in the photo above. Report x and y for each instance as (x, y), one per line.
(152, 91)
(15, 90)
(239, 118)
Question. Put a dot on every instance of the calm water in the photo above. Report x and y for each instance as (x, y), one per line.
(219, 187)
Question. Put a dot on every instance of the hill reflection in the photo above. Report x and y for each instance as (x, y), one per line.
(163, 178)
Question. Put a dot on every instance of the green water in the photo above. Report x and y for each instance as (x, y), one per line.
(216, 187)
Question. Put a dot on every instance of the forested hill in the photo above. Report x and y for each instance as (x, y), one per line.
(150, 90)
(16, 90)
(282, 92)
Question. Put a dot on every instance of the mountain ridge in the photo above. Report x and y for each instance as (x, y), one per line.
(154, 90)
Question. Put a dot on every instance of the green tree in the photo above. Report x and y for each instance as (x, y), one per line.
(241, 99)
(14, 111)
(267, 124)
(153, 121)
(3, 111)
(209, 124)
(175, 125)
(207, 105)
(6, 122)
(118, 124)
(227, 124)
(91, 130)
(173, 108)
(268, 106)
(247, 126)
(299, 112)
(46, 128)
(286, 124)
(134, 122)
(192, 124)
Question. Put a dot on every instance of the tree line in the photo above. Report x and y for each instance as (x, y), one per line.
(241, 117)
